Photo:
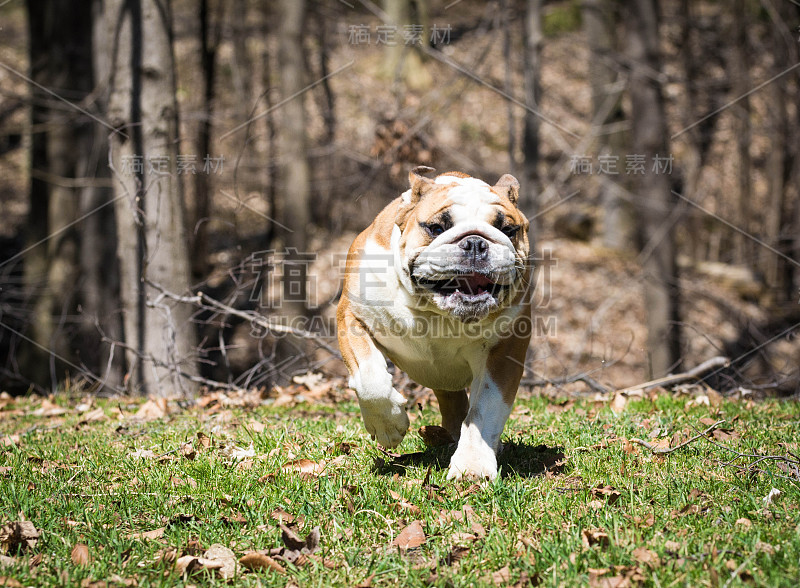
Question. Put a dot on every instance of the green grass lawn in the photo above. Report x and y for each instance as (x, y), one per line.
(577, 502)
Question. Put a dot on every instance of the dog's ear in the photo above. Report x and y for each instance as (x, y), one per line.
(420, 185)
(510, 185)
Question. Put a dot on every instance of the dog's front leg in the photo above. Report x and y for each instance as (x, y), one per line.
(382, 407)
(491, 396)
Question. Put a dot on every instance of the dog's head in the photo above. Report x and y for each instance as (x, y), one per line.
(462, 244)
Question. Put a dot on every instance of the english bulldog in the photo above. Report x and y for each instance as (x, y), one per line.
(439, 284)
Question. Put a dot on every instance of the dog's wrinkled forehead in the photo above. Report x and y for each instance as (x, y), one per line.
(466, 199)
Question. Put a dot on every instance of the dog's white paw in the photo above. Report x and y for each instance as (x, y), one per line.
(386, 419)
(473, 462)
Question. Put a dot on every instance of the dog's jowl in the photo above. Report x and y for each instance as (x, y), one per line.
(439, 285)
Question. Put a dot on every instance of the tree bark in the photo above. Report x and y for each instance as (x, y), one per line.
(60, 59)
(619, 229)
(532, 66)
(740, 66)
(159, 336)
(655, 203)
(294, 175)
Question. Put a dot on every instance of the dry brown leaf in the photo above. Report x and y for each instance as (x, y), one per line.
(253, 560)
(619, 402)
(282, 516)
(646, 556)
(609, 493)
(9, 441)
(175, 482)
(18, 535)
(204, 440)
(725, 434)
(142, 453)
(188, 564)
(766, 547)
(11, 582)
(93, 416)
(462, 538)
(434, 436)
(256, 427)
(188, 451)
(48, 409)
(410, 537)
(224, 556)
(672, 546)
(501, 577)
(80, 554)
(743, 523)
(591, 537)
(304, 466)
(154, 408)
(154, 534)
(7, 561)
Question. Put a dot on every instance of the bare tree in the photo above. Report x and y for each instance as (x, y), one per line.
(532, 68)
(210, 33)
(153, 249)
(60, 59)
(655, 207)
(740, 69)
(294, 171)
(599, 21)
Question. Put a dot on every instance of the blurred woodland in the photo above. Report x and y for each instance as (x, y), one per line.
(182, 178)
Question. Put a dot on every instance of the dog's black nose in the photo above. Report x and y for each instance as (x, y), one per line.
(475, 247)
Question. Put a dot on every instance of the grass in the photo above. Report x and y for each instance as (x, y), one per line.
(577, 502)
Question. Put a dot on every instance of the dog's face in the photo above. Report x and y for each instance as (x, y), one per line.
(462, 244)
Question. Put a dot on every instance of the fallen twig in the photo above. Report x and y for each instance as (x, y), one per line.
(662, 451)
(714, 362)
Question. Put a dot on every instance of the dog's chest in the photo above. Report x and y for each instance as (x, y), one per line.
(439, 360)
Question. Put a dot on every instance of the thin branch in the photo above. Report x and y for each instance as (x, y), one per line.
(663, 451)
(693, 374)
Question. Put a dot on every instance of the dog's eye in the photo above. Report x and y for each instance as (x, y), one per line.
(435, 229)
(510, 231)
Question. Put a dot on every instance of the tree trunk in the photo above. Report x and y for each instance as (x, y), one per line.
(209, 41)
(532, 66)
(508, 85)
(159, 336)
(294, 175)
(740, 68)
(654, 204)
(60, 59)
(619, 229)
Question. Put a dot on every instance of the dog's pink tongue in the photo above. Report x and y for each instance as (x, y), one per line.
(474, 283)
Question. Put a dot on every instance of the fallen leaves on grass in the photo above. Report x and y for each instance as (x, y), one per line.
(592, 537)
(217, 558)
(94, 416)
(646, 556)
(188, 451)
(48, 409)
(80, 554)
(434, 436)
(609, 493)
(410, 537)
(18, 536)
(305, 467)
(9, 441)
(153, 409)
(154, 534)
(254, 561)
(403, 504)
(624, 577)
